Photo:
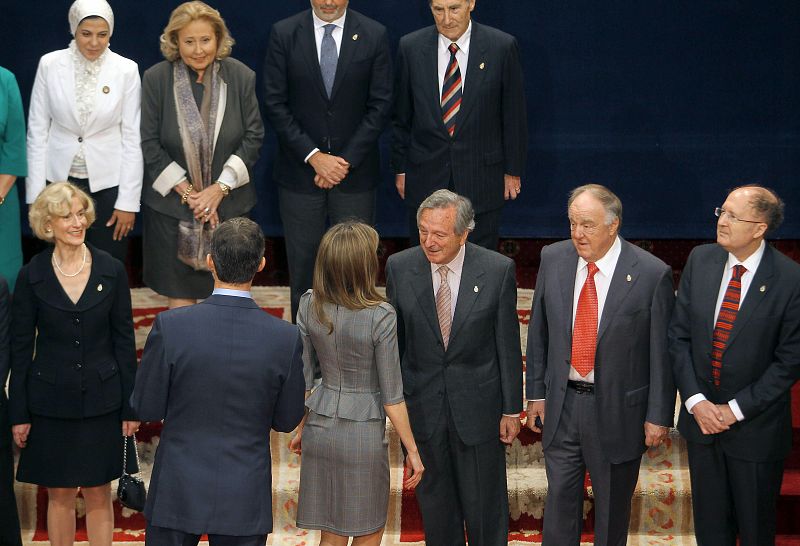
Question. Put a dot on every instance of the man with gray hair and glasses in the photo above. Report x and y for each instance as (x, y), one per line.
(458, 335)
(599, 382)
(735, 345)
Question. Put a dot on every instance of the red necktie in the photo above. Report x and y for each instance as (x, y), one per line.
(584, 333)
(451, 92)
(725, 320)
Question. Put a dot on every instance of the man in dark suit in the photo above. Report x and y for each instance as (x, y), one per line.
(461, 362)
(9, 519)
(328, 93)
(598, 367)
(735, 345)
(475, 146)
(220, 374)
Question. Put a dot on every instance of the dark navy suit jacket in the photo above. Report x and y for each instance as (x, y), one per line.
(491, 136)
(220, 374)
(348, 123)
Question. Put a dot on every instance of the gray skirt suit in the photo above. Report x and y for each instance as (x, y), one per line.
(344, 472)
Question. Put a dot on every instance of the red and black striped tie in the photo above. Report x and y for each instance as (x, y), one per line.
(451, 92)
(725, 320)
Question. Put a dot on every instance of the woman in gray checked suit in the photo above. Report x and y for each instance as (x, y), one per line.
(349, 333)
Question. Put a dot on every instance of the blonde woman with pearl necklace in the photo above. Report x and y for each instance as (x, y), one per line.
(73, 362)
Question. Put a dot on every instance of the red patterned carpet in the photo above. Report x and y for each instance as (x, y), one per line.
(661, 512)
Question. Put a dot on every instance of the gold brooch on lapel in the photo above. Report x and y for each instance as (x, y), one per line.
(355, 37)
(475, 289)
(629, 278)
(106, 90)
(482, 66)
(763, 288)
(99, 287)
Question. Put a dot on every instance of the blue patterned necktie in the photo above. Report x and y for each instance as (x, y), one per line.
(328, 58)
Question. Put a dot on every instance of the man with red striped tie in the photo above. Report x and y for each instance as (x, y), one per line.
(735, 346)
(459, 121)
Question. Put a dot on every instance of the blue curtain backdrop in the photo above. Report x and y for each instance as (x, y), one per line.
(666, 102)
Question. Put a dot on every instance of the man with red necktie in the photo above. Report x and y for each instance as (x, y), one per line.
(599, 382)
(735, 345)
(459, 121)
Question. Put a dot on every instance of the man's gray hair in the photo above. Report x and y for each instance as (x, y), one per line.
(611, 203)
(443, 199)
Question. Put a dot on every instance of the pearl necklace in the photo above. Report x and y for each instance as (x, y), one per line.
(78, 272)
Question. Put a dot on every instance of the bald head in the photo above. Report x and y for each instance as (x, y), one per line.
(766, 204)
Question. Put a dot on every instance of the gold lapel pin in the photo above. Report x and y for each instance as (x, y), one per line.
(355, 37)
(99, 287)
(482, 66)
(763, 288)
(106, 90)
(629, 278)
(475, 289)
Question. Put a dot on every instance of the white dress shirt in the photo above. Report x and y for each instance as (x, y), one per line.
(453, 278)
(319, 33)
(751, 265)
(602, 280)
(462, 56)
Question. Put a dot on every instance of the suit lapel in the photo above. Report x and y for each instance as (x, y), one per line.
(566, 275)
(66, 72)
(709, 291)
(346, 51)
(470, 289)
(623, 280)
(475, 64)
(423, 290)
(755, 295)
(429, 59)
(308, 46)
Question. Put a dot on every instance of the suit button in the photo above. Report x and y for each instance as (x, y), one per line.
(80, 139)
(78, 366)
(77, 342)
(76, 321)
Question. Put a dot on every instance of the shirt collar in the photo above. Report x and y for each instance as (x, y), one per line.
(234, 293)
(607, 263)
(319, 23)
(462, 42)
(752, 261)
(456, 265)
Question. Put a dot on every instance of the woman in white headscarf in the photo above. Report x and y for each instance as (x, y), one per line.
(83, 125)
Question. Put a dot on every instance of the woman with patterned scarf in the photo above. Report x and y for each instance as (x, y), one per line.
(201, 136)
(83, 125)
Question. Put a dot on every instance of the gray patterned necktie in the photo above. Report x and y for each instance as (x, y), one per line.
(328, 58)
(443, 304)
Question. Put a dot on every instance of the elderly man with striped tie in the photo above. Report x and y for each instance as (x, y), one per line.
(735, 344)
(599, 381)
(459, 121)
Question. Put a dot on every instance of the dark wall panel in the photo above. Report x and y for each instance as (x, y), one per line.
(667, 102)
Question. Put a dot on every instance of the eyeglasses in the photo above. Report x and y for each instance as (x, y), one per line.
(719, 211)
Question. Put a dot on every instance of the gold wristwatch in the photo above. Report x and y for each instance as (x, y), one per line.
(225, 189)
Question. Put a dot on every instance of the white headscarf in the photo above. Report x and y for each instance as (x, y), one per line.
(81, 9)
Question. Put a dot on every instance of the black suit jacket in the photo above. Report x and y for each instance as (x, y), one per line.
(350, 122)
(633, 377)
(761, 361)
(220, 374)
(71, 360)
(491, 136)
(480, 373)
